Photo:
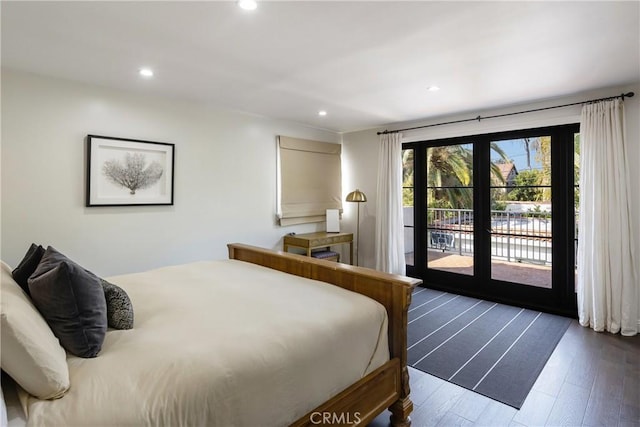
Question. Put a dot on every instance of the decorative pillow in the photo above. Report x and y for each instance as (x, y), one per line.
(30, 353)
(72, 301)
(27, 266)
(119, 308)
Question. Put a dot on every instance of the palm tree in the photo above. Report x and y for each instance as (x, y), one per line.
(407, 177)
(450, 175)
(527, 149)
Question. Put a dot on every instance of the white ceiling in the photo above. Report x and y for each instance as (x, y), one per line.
(367, 63)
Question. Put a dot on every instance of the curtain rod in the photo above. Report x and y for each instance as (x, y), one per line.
(478, 118)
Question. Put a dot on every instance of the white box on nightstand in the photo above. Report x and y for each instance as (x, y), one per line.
(333, 221)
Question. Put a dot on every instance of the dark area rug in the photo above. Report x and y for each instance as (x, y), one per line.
(493, 349)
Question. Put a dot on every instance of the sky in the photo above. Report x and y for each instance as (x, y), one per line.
(515, 150)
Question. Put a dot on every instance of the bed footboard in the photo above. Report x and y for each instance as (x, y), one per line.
(386, 387)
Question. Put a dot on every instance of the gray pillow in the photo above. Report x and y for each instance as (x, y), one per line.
(27, 266)
(72, 302)
(119, 307)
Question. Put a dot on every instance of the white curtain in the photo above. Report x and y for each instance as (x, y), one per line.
(607, 265)
(389, 221)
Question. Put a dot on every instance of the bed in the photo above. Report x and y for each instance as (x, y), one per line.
(241, 343)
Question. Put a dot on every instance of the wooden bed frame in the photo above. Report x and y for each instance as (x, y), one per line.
(387, 386)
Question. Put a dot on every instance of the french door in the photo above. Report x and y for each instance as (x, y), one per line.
(494, 216)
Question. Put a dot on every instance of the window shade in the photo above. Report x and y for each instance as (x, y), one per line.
(310, 180)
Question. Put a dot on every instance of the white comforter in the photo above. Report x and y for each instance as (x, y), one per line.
(222, 343)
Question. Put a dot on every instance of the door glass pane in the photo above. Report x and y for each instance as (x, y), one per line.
(521, 211)
(450, 208)
(407, 205)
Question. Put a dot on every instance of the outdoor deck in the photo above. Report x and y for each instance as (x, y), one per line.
(529, 274)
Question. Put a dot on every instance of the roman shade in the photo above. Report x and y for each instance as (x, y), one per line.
(309, 180)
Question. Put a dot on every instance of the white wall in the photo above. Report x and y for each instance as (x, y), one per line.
(225, 176)
(360, 149)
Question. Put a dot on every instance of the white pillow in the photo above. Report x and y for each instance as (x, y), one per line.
(3, 411)
(30, 353)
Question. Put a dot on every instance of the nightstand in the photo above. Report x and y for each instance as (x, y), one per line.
(310, 241)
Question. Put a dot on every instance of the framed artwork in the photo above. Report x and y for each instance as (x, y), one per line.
(128, 172)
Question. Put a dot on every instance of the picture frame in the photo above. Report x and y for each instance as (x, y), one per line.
(129, 172)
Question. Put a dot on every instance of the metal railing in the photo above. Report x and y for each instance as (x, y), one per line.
(515, 236)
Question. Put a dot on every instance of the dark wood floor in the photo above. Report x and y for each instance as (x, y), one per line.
(591, 379)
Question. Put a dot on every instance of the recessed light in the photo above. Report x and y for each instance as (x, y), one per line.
(248, 4)
(146, 72)
(322, 113)
(433, 88)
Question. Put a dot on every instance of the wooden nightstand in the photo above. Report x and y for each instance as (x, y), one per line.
(321, 239)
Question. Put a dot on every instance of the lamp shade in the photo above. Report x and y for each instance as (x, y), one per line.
(356, 196)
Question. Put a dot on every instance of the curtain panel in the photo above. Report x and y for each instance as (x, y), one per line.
(389, 219)
(607, 265)
(309, 180)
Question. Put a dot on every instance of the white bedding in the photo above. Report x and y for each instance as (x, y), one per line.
(222, 343)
